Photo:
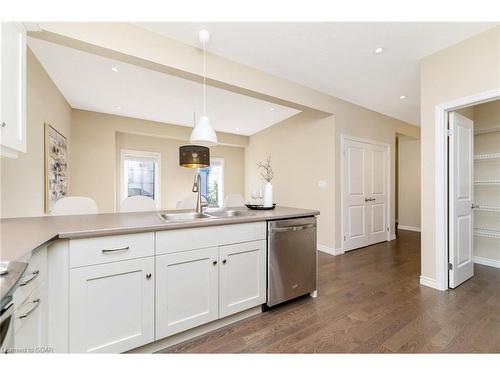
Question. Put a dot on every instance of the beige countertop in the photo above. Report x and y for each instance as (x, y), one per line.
(22, 235)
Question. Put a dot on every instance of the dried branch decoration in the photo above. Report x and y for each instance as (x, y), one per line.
(267, 171)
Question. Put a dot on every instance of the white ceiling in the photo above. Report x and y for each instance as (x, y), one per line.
(88, 82)
(335, 58)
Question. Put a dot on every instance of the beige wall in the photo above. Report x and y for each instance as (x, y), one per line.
(176, 181)
(302, 153)
(93, 154)
(409, 182)
(22, 179)
(306, 149)
(467, 68)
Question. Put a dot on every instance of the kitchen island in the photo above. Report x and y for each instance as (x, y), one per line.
(135, 281)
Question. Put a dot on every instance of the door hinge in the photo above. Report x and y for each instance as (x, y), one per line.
(449, 133)
(345, 237)
(450, 266)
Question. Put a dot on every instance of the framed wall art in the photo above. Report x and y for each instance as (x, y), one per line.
(56, 165)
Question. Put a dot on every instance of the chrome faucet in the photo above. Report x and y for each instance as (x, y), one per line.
(197, 189)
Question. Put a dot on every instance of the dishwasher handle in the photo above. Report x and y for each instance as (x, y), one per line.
(292, 228)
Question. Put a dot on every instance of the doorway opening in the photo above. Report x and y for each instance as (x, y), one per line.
(467, 227)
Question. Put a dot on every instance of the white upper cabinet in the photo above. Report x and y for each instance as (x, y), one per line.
(13, 89)
(242, 277)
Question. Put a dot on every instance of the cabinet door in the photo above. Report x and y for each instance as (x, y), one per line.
(111, 306)
(242, 277)
(13, 89)
(186, 290)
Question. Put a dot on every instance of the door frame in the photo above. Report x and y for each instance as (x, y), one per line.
(343, 139)
(441, 187)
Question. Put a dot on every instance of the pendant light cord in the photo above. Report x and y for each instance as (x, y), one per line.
(204, 81)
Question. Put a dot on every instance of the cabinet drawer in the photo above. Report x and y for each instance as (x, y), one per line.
(28, 322)
(172, 241)
(89, 251)
(34, 276)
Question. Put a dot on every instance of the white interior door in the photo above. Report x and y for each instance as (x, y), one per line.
(461, 193)
(364, 194)
(377, 225)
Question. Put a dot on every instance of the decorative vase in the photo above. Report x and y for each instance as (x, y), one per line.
(268, 195)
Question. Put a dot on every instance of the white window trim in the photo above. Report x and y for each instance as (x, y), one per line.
(137, 153)
(220, 198)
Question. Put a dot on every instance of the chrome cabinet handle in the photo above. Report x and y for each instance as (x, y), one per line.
(28, 313)
(33, 277)
(473, 206)
(214, 262)
(125, 248)
(367, 199)
(148, 275)
(224, 261)
(372, 199)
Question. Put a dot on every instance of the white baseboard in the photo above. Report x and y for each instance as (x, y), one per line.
(330, 250)
(487, 262)
(408, 227)
(428, 281)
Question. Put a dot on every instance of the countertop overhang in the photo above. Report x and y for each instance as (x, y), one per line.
(23, 235)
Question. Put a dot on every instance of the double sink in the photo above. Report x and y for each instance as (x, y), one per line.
(209, 214)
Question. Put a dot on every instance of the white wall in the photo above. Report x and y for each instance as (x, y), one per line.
(409, 183)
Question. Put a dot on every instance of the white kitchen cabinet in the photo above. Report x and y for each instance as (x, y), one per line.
(13, 89)
(111, 306)
(186, 290)
(242, 277)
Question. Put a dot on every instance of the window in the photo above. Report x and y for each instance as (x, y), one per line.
(212, 182)
(140, 174)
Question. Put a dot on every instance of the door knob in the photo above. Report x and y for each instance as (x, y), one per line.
(214, 262)
(224, 261)
(148, 276)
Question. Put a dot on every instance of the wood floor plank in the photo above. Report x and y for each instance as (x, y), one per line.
(370, 301)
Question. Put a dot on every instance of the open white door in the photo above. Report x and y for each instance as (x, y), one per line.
(365, 192)
(461, 193)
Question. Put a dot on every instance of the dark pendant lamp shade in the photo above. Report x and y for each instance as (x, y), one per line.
(194, 156)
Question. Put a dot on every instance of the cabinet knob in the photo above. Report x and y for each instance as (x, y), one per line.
(214, 262)
(148, 276)
(224, 261)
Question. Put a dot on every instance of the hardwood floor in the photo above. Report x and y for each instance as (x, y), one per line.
(369, 300)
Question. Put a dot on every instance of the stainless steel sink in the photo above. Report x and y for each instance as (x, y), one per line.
(230, 213)
(184, 216)
(213, 214)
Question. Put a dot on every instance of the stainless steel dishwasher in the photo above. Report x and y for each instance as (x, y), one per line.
(291, 259)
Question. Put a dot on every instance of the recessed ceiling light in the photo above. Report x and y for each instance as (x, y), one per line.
(271, 109)
(114, 69)
(402, 97)
(379, 50)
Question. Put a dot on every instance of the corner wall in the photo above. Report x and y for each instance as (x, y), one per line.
(22, 179)
(467, 68)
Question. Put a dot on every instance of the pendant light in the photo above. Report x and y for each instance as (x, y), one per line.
(203, 134)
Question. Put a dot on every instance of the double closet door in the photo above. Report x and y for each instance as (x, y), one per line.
(364, 193)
